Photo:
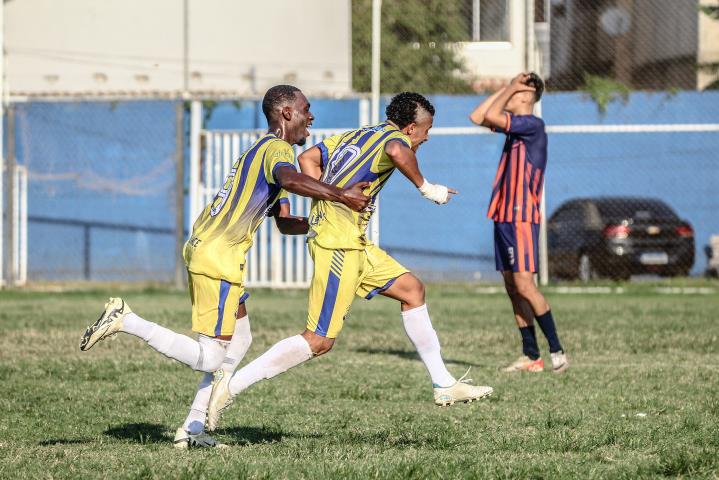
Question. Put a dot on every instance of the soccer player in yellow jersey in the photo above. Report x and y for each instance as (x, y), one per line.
(215, 253)
(348, 264)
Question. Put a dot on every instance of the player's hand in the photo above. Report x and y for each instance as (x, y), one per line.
(439, 194)
(354, 198)
(519, 83)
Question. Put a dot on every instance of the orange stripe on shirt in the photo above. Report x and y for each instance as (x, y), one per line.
(512, 186)
(517, 203)
(528, 203)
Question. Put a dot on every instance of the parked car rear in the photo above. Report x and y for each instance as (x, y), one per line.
(616, 237)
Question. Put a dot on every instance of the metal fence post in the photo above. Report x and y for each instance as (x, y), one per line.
(179, 192)
(86, 252)
(10, 208)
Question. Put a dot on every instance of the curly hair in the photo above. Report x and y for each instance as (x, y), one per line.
(403, 108)
(538, 84)
(277, 96)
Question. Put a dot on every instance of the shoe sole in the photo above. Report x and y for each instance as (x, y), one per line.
(86, 342)
(561, 369)
(469, 400)
(212, 425)
(181, 444)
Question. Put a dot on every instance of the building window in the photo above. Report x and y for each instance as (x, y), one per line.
(489, 20)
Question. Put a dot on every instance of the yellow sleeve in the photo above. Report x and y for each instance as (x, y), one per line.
(278, 154)
(402, 138)
(328, 146)
(283, 197)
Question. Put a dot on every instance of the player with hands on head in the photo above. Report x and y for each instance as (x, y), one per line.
(515, 209)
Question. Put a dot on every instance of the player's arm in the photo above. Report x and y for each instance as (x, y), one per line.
(496, 116)
(287, 223)
(311, 162)
(306, 186)
(406, 162)
(478, 114)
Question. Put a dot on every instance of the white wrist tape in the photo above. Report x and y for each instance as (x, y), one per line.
(439, 194)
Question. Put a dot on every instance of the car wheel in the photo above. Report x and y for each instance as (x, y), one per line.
(585, 269)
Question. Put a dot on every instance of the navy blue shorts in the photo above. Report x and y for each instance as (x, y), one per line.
(516, 246)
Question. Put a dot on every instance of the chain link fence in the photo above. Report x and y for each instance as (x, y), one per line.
(630, 109)
(631, 181)
(101, 196)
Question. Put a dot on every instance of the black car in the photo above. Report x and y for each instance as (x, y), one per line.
(617, 237)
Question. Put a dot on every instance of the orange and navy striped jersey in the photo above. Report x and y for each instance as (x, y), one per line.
(351, 157)
(223, 233)
(517, 188)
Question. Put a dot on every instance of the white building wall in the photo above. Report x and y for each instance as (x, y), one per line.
(499, 60)
(135, 46)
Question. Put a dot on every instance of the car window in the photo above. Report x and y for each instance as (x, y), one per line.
(592, 216)
(636, 209)
(563, 214)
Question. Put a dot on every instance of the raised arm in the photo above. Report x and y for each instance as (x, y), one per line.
(306, 186)
(477, 115)
(496, 117)
(406, 162)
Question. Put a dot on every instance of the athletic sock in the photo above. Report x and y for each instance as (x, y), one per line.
(282, 356)
(238, 346)
(529, 342)
(419, 329)
(171, 344)
(195, 421)
(546, 323)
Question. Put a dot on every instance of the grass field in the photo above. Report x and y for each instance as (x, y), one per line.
(641, 399)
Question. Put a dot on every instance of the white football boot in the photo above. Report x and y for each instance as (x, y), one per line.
(184, 440)
(461, 391)
(560, 363)
(220, 399)
(109, 323)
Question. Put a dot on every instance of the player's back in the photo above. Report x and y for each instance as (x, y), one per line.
(351, 157)
(223, 233)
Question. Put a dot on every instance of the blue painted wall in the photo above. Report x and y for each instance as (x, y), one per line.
(72, 149)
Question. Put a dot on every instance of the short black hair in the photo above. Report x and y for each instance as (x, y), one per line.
(538, 84)
(276, 96)
(402, 109)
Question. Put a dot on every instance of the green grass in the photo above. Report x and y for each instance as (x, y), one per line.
(365, 410)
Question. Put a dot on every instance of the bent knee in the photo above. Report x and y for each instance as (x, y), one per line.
(526, 289)
(414, 291)
(212, 353)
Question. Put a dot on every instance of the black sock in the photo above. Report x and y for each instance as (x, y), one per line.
(546, 323)
(529, 342)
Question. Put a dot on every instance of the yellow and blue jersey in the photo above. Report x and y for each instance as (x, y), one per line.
(223, 233)
(351, 157)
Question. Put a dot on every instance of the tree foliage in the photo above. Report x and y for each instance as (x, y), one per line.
(419, 46)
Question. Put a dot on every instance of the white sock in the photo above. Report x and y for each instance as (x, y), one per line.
(173, 345)
(420, 332)
(238, 346)
(282, 356)
(195, 421)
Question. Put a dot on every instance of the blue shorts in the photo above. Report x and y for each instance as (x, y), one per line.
(516, 246)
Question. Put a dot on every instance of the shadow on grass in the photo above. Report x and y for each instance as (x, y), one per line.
(254, 435)
(409, 355)
(62, 441)
(139, 432)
